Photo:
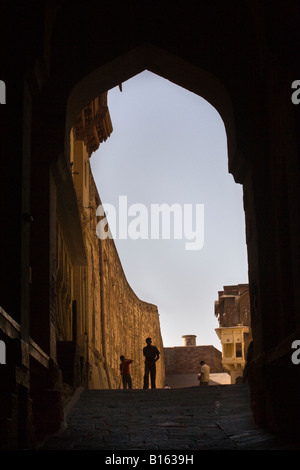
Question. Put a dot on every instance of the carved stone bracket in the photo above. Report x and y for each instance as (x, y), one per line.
(93, 125)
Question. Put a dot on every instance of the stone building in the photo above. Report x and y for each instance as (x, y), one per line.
(56, 58)
(233, 312)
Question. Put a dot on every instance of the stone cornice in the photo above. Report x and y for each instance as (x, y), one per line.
(93, 125)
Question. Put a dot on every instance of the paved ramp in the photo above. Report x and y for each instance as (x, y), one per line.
(191, 380)
(188, 419)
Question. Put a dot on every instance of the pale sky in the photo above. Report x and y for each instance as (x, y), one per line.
(169, 146)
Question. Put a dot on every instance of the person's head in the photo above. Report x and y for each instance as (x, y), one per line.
(202, 363)
(122, 358)
(148, 340)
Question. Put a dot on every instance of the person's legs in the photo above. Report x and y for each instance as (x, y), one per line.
(146, 376)
(153, 375)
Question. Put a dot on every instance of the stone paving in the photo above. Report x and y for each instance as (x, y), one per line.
(187, 419)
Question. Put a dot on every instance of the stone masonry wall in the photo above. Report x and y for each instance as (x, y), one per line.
(122, 320)
(128, 321)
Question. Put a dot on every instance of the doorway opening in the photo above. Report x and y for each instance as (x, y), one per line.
(170, 142)
(168, 146)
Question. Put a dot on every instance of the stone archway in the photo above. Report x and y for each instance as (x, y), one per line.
(233, 73)
(206, 85)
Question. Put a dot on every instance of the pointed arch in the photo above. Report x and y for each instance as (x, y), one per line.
(164, 64)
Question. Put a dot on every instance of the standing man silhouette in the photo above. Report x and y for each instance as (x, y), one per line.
(151, 354)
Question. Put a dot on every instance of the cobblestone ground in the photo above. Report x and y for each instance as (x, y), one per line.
(195, 418)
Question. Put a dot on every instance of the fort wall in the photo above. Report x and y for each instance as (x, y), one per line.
(98, 315)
